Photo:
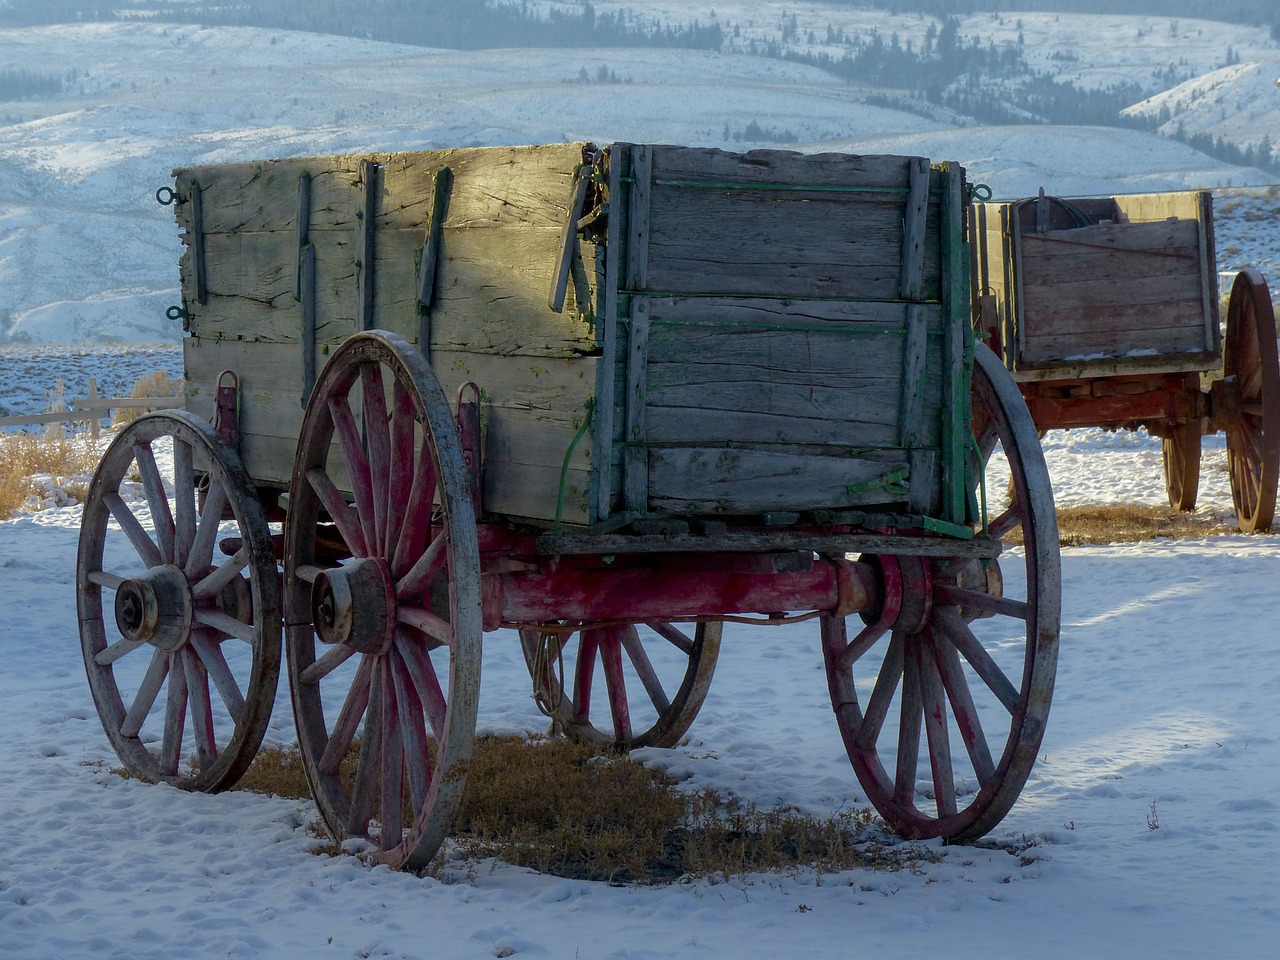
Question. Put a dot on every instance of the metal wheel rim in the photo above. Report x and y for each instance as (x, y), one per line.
(410, 784)
(944, 659)
(186, 683)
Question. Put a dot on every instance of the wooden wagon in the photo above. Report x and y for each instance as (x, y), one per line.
(1106, 312)
(609, 398)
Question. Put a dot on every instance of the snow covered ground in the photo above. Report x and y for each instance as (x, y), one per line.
(1148, 828)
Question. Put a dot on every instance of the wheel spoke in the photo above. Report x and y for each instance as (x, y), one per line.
(132, 529)
(1006, 522)
(413, 730)
(103, 579)
(342, 514)
(424, 621)
(200, 707)
(423, 674)
(414, 583)
(174, 720)
(881, 695)
(963, 709)
(935, 721)
(909, 720)
(184, 489)
(401, 482)
(644, 669)
(213, 584)
(953, 628)
(357, 467)
(215, 664)
(415, 530)
(330, 661)
(377, 450)
(673, 635)
(364, 793)
(348, 720)
(228, 625)
(584, 673)
(615, 682)
(143, 700)
(201, 556)
(157, 501)
(867, 638)
(115, 651)
(390, 760)
(980, 601)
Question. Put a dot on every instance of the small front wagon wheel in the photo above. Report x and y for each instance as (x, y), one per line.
(179, 604)
(615, 685)
(1180, 453)
(1249, 360)
(382, 600)
(942, 695)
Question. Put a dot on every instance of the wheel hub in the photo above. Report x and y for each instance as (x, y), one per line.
(355, 605)
(905, 595)
(155, 608)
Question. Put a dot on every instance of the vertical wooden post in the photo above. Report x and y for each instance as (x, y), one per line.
(92, 396)
(304, 285)
(365, 248)
(429, 256)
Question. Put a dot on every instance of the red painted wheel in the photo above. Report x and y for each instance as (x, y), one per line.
(384, 645)
(181, 639)
(625, 687)
(1249, 359)
(1180, 452)
(942, 694)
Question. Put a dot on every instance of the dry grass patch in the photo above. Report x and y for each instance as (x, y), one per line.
(157, 384)
(61, 456)
(573, 810)
(1133, 523)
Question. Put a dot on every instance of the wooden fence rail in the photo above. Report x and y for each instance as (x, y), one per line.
(91, 409)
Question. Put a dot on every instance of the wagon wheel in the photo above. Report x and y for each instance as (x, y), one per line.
(384, 647)
(184, 662)
(1249, 360)
(1180, 452)
(631, 681)
(942, 693)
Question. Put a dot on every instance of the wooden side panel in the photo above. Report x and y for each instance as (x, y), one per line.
(786, 332)
(488, 319)
(1113, 290)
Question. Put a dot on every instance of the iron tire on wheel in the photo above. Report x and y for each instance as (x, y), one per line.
(960, 652)
(1249, 360)
(382, 602)
(181, 646)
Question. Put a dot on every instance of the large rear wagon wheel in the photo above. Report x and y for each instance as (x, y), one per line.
(179, 603)
(613, 685)
(942, 695)
(382, 601)
(1249, 359)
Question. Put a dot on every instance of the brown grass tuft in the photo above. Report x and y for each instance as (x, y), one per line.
(23, 456)
(1132, 523)
(573, 810)
(157, 384)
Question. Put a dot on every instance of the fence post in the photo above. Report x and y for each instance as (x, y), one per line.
(93, 395)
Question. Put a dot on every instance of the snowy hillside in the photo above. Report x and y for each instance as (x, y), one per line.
(87, 254)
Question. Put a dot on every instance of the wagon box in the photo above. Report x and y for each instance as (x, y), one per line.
(656, 331)
(1092, 284)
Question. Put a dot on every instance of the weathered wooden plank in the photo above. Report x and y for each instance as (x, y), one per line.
(1175, 239)
(819, 246)
(781, 167)
(490, 291)
(366, 243)
(494, 186)
(913, 386)
(1148, 207)
(1187, 338)
(913, 231)
(1092, 301)
(735, 481)
(611, 386)
(635, 471)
